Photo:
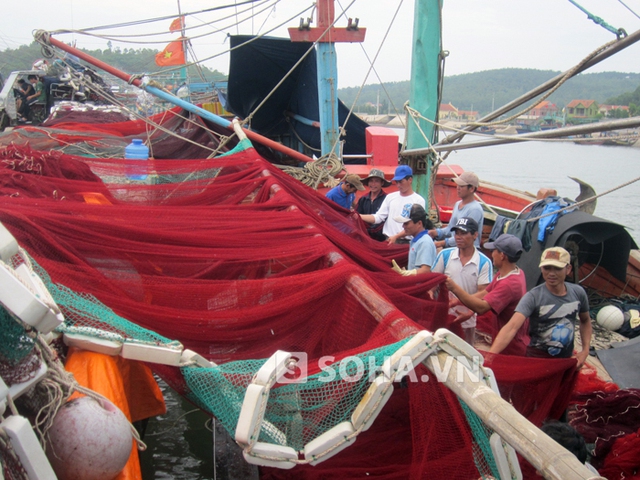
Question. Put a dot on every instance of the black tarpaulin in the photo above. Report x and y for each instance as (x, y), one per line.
(598, 242)
(257, 65)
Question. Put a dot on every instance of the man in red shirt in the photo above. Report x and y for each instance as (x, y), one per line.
(503, 293)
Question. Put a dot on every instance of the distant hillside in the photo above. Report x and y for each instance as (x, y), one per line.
(129, 60)
(483, 91)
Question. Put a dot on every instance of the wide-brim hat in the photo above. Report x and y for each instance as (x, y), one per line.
(375, 173)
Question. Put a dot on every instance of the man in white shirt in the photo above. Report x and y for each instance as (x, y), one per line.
(467, 266)
(397, 204)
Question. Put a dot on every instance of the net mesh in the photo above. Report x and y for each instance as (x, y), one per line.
(234, 260)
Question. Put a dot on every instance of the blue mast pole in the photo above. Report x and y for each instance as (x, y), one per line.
(327, 65)
(328, 98)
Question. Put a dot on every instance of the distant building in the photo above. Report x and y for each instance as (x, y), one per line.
(582, 109)
(543, 109)
(608, 110)
(470, 115)
(447, 112)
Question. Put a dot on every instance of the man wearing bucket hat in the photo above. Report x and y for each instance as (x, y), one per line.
(344, 194)
(468, 267)
(371, 202)
(466, 187)
(503, 293)
(396, 204)
(553, 308)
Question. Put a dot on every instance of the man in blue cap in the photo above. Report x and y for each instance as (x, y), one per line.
(397, 204)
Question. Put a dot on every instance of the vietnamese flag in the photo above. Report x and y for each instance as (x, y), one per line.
(173, 54)
(176, 25)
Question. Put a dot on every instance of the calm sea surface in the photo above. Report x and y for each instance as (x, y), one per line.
(532, 165)
(181, 448)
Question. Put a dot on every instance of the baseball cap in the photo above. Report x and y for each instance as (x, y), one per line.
(375, 173)
(555, 257)
(466, 224)
(403, 171)
(354, 180)
(416, 213)
(467, 178)
(506, 243)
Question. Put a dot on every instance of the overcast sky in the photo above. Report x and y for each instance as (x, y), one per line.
(479, 34)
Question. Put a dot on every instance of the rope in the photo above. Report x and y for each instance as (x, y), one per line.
(570, 73)
(322, 170)
(371, 63)
(61, 385)
(292, 69)
(618, 32)
(629, 8)
(414, 114)
(187, 65)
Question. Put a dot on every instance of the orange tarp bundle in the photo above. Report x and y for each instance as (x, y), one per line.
(127, 384)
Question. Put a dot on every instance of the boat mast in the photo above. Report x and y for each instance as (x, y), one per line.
(326, 35)
(425, 84)
(184, 79)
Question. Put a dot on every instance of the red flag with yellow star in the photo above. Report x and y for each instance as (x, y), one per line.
(173, 54)
(176, 25)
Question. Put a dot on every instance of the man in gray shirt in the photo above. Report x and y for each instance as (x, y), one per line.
(553, 308)
(467, 206)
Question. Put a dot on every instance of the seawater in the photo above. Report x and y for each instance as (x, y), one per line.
(529, 166)
(181, 447)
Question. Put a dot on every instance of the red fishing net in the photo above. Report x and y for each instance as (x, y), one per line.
(235, 260)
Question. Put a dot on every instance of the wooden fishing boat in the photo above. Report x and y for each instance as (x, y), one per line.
(219, 274)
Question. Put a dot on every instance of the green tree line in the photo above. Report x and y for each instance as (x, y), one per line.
(129, 60)
(480, 91)
(489, 90)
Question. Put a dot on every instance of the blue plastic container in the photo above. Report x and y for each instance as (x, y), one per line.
(136, 150)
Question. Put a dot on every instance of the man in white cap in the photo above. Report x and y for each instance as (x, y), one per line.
(503, 293)
(553, 308)
(468, 267)
(422, 251)
(372, 201)
(467, 206)
(396, 204)
(344, 194)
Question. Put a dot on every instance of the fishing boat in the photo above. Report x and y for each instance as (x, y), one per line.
(245, 291)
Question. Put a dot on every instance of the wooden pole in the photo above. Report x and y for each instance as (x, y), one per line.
(632, 122)
(547, 456)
